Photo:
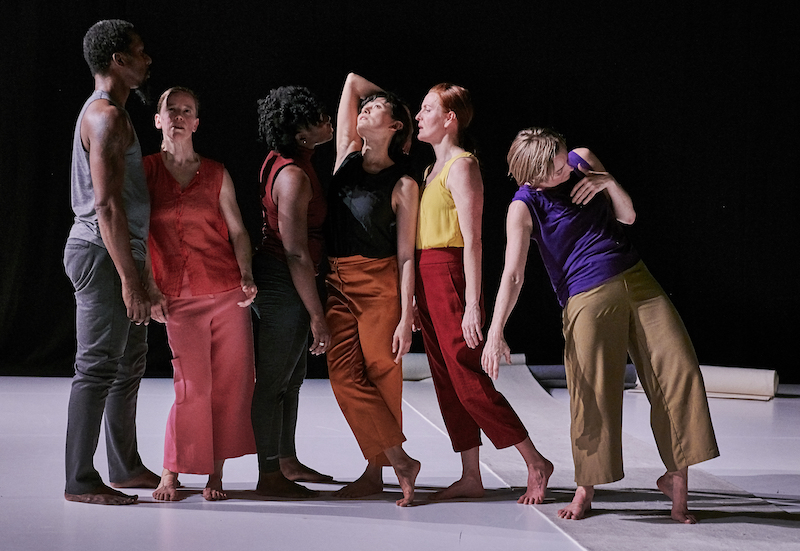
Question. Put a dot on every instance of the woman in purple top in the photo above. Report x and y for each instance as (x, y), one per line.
(612, 307)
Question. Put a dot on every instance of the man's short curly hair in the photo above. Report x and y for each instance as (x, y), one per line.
(283, 113)
(103, 40)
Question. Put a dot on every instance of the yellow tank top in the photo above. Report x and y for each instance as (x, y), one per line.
(437, 225)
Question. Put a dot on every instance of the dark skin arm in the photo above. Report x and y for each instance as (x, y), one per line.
(106, 134)
(292, 193)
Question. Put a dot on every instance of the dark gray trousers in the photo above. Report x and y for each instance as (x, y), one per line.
(109, 365)
(281, 350)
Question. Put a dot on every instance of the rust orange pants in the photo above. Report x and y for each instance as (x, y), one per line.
(362, 311)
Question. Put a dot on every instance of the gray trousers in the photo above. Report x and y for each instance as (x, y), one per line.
(109, 365)
(281, 352)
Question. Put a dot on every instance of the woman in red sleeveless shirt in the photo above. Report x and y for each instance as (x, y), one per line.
(201, 286)
(292, 122)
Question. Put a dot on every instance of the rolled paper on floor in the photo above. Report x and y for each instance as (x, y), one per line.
(416, 367)
(738, 382)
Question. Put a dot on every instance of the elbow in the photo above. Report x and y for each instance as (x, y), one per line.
(105, 210)
(293, 257)
(515, 279)
(352, 80)
(628, 218)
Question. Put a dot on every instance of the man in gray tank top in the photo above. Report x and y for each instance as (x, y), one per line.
(105, 260)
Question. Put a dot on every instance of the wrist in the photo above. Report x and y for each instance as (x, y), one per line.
(494, 333)
(316, 317)
(406, 320)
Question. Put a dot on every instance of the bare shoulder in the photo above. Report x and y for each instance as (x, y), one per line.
(105, 121)
(292, 183)
(465, 165)
(465, 173)
(407, 184)
(292, 174)
(519, 215)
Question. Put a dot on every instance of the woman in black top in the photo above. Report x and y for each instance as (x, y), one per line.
(372, 218)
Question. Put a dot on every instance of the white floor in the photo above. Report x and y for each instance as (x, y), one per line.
(760, 443)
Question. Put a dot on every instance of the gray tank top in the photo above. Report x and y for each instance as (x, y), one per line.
(134, 192)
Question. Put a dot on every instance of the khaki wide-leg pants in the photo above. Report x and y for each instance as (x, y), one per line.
(631, 314)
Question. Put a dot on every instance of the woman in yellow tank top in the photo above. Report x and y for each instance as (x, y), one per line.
(448, 293)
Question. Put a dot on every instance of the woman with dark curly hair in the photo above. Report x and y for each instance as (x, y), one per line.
(292, 122)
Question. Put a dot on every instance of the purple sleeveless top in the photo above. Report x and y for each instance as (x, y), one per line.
(581, 246)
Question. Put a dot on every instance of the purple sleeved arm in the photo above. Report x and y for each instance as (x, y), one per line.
(575, 160)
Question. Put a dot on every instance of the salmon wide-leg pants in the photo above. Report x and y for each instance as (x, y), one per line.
(211, 338)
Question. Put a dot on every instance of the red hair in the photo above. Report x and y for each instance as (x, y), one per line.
(456, 98)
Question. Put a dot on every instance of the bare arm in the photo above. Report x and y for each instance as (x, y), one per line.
(237, 234)
(292, 193)
(405, 202)
(106, 133)
(347, 139)
(466, 185)
(518, 231)
(597, 179)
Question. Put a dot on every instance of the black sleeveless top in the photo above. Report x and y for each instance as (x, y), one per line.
(360, 216)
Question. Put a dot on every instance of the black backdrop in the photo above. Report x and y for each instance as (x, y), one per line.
(688, 104)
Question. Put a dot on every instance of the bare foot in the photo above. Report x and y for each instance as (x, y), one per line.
(102, 495)
(148, 479)
(664, 484)
(675, 485)
(168, 487)
(277, 485)
(295, 471)
(466, 486)
(369, 483)
(580, 506)
(538, 475)
(406, 472)
(213, 490)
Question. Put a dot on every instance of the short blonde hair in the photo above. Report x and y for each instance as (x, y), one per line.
(530, 158)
